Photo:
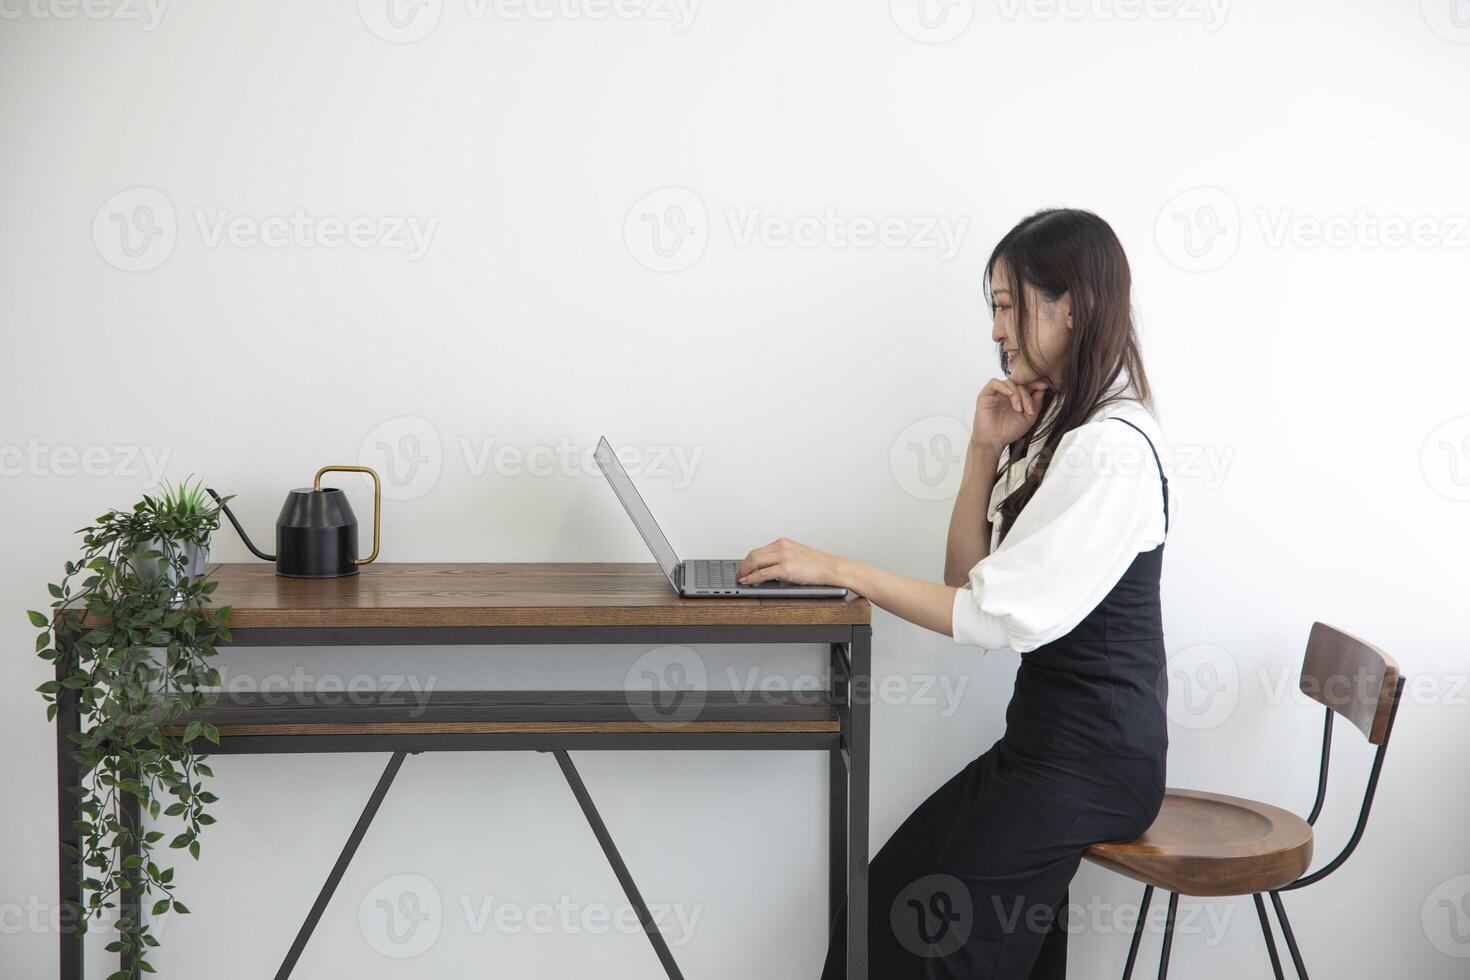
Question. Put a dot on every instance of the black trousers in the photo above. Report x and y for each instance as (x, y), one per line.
(973, 884)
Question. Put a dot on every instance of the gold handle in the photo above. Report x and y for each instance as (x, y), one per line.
(316, 484)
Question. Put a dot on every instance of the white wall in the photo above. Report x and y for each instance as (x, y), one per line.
(1312, 393)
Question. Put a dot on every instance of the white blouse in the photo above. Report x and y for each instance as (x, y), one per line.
(1098, 506)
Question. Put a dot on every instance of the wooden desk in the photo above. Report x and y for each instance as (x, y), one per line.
(421, 604)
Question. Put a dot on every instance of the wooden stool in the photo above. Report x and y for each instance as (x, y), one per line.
(1205, 844)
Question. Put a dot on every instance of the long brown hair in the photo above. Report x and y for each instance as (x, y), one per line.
(1066, 251)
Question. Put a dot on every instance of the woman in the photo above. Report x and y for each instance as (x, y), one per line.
(1055, 548)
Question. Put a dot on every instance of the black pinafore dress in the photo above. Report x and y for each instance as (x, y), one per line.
(973, 885)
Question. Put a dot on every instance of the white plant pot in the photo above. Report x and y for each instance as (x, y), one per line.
(196, 561)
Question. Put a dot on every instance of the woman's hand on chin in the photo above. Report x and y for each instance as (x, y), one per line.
(791, 562)
(1005, 411)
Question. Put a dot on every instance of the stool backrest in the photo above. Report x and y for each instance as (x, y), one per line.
(1351, 677)
(1357, 680)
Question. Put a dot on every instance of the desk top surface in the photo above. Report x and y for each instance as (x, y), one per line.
(448, 594)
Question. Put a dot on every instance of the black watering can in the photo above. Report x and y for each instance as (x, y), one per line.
(316, 533)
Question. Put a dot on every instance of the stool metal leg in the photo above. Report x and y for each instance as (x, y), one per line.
(1148, 894)
(1270, 939)
(1296, 954)
(1168, 935)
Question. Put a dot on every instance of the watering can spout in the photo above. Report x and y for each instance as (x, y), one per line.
(243, 536)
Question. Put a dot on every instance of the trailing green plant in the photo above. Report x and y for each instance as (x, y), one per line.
(131, 635)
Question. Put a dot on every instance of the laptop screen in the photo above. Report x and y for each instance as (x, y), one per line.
(612, 468)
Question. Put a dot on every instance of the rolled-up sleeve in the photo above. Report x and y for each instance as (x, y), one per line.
(974, 626)
(1098, 505)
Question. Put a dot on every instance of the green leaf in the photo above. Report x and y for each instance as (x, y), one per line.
(37, 619)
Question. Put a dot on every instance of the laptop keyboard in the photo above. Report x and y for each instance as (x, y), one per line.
(717, 574)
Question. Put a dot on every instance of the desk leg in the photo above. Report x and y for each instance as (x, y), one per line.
(68, 841)
(340, 868)
(860, 690)
(130, 902)
(837, 794)
(610, 851)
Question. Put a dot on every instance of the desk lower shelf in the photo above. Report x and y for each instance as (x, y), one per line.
(378, 721)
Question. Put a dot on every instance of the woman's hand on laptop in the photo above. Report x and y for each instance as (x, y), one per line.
(791, 562)
(924, 603)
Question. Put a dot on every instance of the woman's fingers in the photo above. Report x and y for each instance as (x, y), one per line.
(1035, 391)
(763, 574)
(1021, 400)
(1003, 388)
(1038, 388)
(1018, 397)
(789, 561)
(760, 557)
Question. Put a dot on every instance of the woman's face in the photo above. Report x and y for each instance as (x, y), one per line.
(1040, 355)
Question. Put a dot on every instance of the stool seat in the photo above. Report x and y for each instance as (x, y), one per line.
(1210, 844)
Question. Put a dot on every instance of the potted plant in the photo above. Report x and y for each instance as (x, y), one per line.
(131, 634)
(182, 512)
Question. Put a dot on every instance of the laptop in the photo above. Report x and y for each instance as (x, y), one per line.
(700, 578)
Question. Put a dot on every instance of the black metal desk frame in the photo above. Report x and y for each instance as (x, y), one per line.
(848, 753)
